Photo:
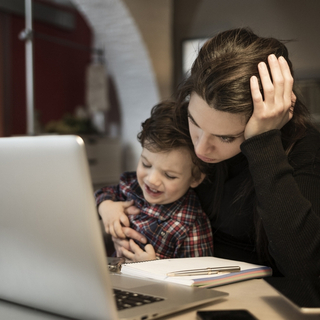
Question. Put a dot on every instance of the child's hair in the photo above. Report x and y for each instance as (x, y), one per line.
(164, 132)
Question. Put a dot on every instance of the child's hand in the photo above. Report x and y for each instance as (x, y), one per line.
(137, 254)
(114, 216)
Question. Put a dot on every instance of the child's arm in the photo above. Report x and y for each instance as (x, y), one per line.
(113, 206)
(137, 254)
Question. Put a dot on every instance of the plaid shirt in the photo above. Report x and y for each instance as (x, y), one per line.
(175, 230)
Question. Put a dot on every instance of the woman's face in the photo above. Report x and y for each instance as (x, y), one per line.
(216, 135)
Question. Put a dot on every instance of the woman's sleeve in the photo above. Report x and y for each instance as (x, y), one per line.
(288, 201)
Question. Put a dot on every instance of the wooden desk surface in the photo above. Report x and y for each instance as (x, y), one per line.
(257, 296)
(254, 295)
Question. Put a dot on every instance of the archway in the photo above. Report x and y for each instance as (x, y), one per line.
(128, 63)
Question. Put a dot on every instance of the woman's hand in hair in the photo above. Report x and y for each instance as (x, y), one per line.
(273, 110)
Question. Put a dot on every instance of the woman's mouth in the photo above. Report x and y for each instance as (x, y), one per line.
(205, 159)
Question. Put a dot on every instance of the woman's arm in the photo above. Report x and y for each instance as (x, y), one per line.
(287, 193)
(288, 200)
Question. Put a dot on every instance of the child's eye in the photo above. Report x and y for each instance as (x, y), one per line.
(227, 139)
(145, 165)
(170, 177)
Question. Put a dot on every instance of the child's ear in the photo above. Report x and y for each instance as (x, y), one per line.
(195, 183)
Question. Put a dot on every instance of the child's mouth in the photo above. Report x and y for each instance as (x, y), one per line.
(152, 192)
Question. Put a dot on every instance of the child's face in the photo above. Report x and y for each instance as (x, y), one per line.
(164, 177)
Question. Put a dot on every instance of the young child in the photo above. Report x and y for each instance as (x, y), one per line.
(170, 215)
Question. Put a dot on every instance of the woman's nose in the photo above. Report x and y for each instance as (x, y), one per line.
(204, 145)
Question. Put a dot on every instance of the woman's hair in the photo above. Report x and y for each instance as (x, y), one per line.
(220, 75)
(164, 132)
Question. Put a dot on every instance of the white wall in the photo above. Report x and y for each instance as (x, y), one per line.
(129, 64)
(283, 19)
(132, 44)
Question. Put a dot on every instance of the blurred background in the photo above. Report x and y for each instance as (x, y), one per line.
(100, 65)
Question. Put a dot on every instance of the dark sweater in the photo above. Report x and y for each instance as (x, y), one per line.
(286, 197)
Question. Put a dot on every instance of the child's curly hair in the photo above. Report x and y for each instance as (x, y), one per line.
(165, 131)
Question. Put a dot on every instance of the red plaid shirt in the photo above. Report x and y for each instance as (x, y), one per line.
(175, 230)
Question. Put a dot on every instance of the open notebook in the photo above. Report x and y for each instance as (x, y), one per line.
(52, 255)
(159, 269)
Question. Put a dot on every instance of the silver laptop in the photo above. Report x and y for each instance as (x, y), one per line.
(52, 255)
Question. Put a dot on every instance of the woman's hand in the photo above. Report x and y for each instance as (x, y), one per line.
(114, 216)
(120, 244)
(277, 107)
(136, 254)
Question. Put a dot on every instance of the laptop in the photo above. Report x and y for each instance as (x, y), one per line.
(303, 294)
(52, 255)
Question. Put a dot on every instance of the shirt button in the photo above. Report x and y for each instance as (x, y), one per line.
(163, 233)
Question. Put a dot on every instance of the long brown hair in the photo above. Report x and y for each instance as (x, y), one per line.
(221, 76)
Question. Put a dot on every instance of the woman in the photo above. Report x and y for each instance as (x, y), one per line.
(247, 122)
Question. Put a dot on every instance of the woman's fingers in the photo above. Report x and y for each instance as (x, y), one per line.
(267, 85)
(127, 254)
(255, 92)
(282, 81)
(278, 80)
(116, 230)
(135, 248)
(134, 252)
(273, 109)
(120, 233)
(119, 245)
(133, 234)
(289, 96)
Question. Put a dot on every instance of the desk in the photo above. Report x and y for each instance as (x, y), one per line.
(255, 295)
(258, 297)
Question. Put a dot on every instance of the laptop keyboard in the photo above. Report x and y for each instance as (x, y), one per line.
(126, 299)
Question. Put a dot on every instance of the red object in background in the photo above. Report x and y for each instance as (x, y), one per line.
(59, 71)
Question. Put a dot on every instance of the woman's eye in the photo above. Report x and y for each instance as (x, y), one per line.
(191, 120)
(227, 139)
